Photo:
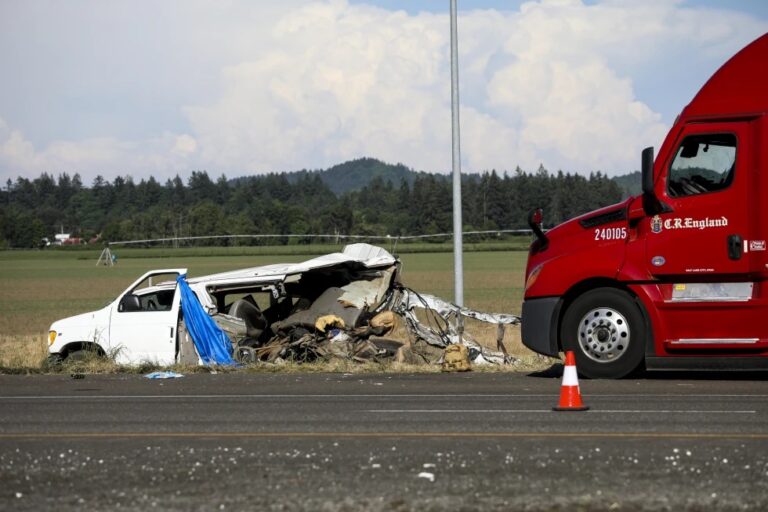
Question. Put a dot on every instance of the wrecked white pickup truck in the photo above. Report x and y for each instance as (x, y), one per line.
(347, 304)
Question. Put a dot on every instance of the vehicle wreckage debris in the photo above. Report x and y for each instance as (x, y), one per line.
(359, 315)
(395, 332)
(348, 305)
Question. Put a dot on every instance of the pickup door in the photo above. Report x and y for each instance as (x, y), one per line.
(144, 319)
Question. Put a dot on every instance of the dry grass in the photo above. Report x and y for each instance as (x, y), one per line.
(21, 354)
(28, 354)
(528, 363)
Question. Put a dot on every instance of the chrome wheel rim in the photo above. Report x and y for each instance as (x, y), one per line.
(604, 335)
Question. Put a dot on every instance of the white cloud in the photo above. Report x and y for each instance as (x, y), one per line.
(161, 156)
(322, 82)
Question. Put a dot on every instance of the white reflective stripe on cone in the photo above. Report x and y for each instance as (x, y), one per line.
(570, 377)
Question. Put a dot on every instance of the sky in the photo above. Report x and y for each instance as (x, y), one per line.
(240, 87)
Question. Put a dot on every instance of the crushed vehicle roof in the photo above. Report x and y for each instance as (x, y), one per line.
(364, 255)
(360, 284)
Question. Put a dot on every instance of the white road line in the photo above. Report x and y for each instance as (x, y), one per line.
(371, 395)
(593, 410)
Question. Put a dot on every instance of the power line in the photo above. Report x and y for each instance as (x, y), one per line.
(321, 236)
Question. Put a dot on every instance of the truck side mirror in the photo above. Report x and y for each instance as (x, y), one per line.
(535, 221)
(651, 203)
(647, 170)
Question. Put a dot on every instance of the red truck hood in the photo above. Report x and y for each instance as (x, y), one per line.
(574, 243)
(607, 215)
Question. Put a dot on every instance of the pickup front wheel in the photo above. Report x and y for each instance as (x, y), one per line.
(605, 329)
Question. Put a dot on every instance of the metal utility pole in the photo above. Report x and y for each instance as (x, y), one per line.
(458, 258)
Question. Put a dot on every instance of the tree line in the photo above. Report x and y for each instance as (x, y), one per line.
(296, 204)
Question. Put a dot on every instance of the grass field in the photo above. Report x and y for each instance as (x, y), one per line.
(38, 287)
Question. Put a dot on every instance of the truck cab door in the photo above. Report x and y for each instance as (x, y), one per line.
(705, 185)
(144, 319)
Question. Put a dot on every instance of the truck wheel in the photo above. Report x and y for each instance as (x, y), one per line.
(605, 329)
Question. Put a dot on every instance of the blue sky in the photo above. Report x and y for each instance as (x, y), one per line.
(755, 7)
(647, 87)
(156, 88)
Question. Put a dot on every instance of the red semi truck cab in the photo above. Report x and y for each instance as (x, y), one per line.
(676, 277)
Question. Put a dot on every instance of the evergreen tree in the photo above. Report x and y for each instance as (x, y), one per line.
(389, 200)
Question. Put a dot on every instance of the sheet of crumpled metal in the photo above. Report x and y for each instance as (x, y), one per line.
(445, 330)
(447, 309)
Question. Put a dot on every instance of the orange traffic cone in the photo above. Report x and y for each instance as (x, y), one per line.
(570, 396)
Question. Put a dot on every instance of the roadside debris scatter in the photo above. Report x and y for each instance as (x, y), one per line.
(163, 375)
(361, 314)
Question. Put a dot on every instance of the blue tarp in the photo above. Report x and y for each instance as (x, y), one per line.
(211, 342)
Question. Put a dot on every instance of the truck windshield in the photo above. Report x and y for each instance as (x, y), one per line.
(703, 163)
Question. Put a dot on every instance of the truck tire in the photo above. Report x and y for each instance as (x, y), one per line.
(606, 330)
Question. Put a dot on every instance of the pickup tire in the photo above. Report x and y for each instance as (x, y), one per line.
(55, 360)
(82, 352)
(605, 328)
(79, 355)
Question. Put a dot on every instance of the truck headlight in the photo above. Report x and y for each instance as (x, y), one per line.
(51, 337)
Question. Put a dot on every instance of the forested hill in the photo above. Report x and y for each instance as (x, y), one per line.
(630, 183)
(361, 197)
(356, 174)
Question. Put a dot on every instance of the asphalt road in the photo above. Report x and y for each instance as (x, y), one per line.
(474, 441)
